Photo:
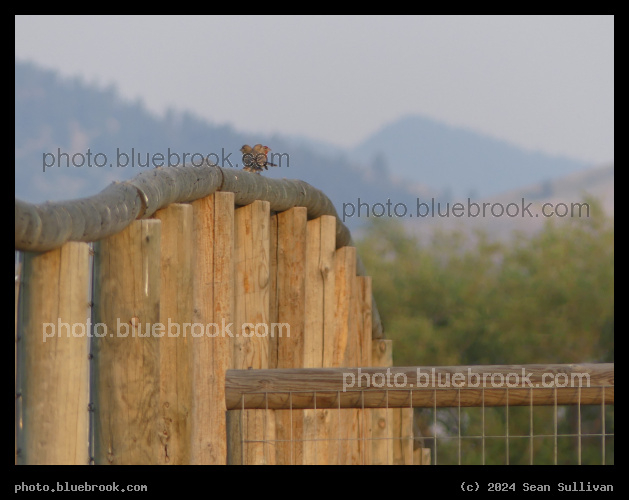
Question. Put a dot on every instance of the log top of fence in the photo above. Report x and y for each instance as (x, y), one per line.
(49, 225)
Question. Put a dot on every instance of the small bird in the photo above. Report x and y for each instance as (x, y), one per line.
(256, 158)
(260, 153)
(248, 159)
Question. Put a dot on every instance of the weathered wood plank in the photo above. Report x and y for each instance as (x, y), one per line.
(291, 293)
(370, 384)
(382, 418)
(320, 305)
(54, 362)
(252, 433)
(213, 306)
(175, 346)
(126, 382)
(363, 320)
(273, 295)
(422, 456)
(339, 348)
(47, 226)
(403, 436)
(18, 390)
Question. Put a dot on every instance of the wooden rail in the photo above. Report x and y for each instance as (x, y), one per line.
(421, 387)
(49, 225)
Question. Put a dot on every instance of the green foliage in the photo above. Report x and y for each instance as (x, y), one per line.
(466, 300)
(461, 299)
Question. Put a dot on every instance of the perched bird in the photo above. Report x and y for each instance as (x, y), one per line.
(260, 153)
(255, 159)
(248, 159)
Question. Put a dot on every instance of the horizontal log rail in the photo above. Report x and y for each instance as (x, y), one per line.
(421, 387)
(42, 227)
(48, 225)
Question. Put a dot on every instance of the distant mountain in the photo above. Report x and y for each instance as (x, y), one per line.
(564, 197)
(413, 157)
(457, 161)
(54, 115)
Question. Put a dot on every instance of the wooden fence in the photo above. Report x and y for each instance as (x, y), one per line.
(200, 272)
(123, 345)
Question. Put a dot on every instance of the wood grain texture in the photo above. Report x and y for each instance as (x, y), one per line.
(291, 292)
(18, 389)
(49, 225)
(422, 456)
(54, 361)
(382, 418)
(363, 322)
(214, 306)
(342, 346)
(175, 346)
(403, 436)
(320, 305)
(252, 433)
(397, 387)
(273, 295)
(126, 382)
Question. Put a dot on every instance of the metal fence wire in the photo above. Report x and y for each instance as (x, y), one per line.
(437, 426)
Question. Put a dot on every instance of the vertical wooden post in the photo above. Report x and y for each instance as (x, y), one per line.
(126, 346)
(353, 356)
(403, 432)
(365, 295)
(291, 292)
(54, 368)
(320, 306)
(344, 283)
(421, 456)
(175, 346)
(273, 295)
(363, 289)
(382, 419)
(18, 390)
(213, 306)
(336, 348)
(251, 432)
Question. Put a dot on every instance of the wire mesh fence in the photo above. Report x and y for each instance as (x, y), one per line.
(437, 425)
(518, 435)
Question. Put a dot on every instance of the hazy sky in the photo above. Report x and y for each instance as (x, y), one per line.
(539, 82)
